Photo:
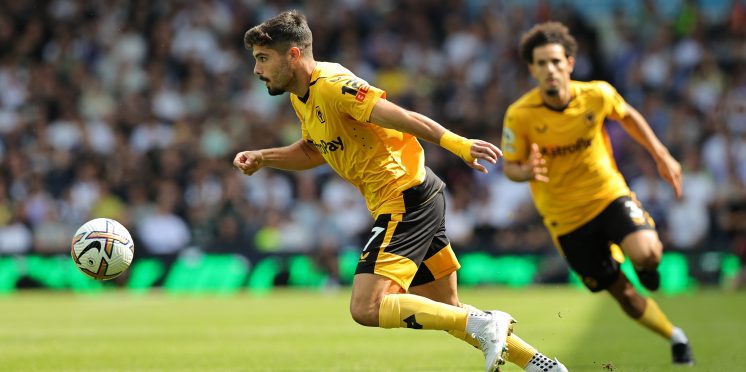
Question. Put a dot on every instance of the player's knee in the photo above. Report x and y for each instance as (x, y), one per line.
(652, 256)
(364, 313)
(645, 251)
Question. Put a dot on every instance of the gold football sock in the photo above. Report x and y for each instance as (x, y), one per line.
(519, 352)
(460, 333)
(412, 311)
(654, 319)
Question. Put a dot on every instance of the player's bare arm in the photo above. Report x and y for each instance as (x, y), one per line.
(668, 167)
(533, 169)
(389, 115)
(297, 156)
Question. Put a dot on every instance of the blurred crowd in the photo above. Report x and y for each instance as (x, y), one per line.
(134, 110)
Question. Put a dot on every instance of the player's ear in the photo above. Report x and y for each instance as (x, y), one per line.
(294, 54)
(571, 63)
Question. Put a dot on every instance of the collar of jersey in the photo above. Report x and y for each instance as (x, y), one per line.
(573, 89)
(314, 78)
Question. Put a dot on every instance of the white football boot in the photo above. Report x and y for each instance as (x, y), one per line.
(491, 329)
(540, 363)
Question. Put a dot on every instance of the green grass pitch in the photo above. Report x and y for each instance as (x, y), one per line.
(295, 330)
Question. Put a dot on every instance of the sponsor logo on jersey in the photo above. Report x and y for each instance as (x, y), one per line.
(325, 147)
(541, 129)
(361, 92)
(355, 87)
(579, 145)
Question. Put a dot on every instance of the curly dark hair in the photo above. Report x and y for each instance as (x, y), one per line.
(546, 33)
(281, 32)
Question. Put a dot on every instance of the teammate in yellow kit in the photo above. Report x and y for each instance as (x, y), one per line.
(554, 138)
(406, 276)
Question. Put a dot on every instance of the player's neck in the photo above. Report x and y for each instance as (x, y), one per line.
(557, 101)
(303, 77)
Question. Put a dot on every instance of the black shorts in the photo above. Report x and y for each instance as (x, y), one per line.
(411, 248)
(588, 248)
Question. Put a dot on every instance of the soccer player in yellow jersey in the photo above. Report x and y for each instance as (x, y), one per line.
(554, 138)
(406, 275)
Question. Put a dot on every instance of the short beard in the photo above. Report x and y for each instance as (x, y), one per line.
(552, 92)
(280, 91)
(275, 92)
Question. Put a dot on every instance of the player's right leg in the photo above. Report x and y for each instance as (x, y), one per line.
(518, 352)
(631, 227)
(378, 301)
(398, 245)
(644, 249)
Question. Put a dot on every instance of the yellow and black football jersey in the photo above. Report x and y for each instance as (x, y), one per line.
(379, 162)
(583, 177)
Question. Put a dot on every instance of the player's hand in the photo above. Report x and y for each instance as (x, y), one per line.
(536, 166)
(670, 170)
(485, 151)
(248, 161)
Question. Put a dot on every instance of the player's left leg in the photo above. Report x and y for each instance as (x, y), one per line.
(644, 249)
(519, 352)
(646, 312)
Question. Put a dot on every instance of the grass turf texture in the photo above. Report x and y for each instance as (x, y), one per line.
(292, 330)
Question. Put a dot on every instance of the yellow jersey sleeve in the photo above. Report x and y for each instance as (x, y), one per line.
(514, 144)
(614, 105)
(352, 96)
